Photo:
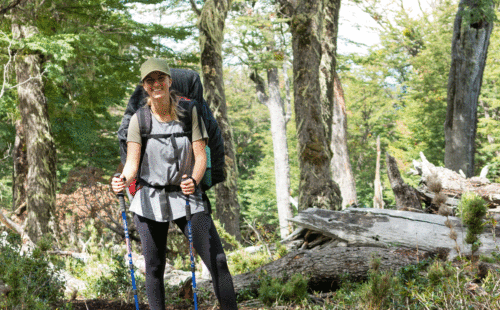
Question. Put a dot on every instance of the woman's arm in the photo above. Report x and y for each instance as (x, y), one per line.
(200, 164)
(200, 160)
(130, 169)
(132, 163)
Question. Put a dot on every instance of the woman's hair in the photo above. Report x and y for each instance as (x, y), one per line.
(173, 107)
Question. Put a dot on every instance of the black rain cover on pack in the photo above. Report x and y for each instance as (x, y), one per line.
(188, 84)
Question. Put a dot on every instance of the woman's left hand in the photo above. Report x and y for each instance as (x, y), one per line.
(187, 186)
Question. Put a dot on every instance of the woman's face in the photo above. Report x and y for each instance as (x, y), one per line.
(157, 85)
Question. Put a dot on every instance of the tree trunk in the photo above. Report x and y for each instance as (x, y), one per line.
(327, 266)
(406, 196)
(378, 201)
(288, 100)
(468, 58)
(40, 147)
(20, 171)
(211, 24)
(280, 146)
(341, 164)
(312, 109)
(334, 107)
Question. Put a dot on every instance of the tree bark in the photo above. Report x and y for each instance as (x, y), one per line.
(40, 147)
(378, 201)
(334, 107)
(454, 185)
(20, 171)
(275, 105)
(468, 58)
(211, 22)
(312, 109)
(326, 266)
(341, 164)
(406, 196)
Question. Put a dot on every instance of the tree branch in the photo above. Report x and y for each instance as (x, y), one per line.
(195, 8)
(259, 87)
(10, 6)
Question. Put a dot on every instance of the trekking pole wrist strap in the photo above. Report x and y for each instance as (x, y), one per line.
(194, 181)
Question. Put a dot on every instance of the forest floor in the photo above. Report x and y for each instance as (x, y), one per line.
(101, 304)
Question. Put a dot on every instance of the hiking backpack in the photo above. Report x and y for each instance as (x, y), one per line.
(188, 84)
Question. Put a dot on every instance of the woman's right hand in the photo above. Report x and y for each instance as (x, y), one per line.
(118, 184)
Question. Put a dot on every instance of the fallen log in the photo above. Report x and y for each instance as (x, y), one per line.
(455, 184)
(325, 267)
(366, 227)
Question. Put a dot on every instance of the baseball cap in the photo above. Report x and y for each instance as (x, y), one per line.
(154, 64)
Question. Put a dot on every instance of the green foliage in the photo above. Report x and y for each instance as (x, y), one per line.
(116, 284)
(479, 11)
(227, 237)
(34, 282)
(473, 209)
(273, 291)
(254, 150)
(378, 290)
(241, 261)
(398, 91)
(488, 131)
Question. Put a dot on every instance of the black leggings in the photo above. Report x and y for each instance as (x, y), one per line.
(207, 243)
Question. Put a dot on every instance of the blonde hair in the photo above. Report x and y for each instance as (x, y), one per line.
(173, 107)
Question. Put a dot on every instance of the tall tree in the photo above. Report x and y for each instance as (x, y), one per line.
(260, 27)
(471, 37)
(40, 146)
(211, 23)
(335, 106)
(312, 109)
(274, 103)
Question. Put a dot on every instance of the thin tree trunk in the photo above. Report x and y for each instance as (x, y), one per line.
(378, 201)
(280, 146)
(20, 171)
(334, 107)
(341, 164)
(211, 24)
(40, 147)
(288, 100)
(312, 109)
(468, 58)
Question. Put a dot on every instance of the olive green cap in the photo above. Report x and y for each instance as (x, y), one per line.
(154, 64)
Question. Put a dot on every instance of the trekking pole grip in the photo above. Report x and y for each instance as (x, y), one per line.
(121, 195)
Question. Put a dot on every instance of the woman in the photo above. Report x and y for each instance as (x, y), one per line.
(169, 172)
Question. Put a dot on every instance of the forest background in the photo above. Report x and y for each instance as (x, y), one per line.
(395, 90)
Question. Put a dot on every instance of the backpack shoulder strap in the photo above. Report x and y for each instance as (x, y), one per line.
(144, 118)
(186, 115)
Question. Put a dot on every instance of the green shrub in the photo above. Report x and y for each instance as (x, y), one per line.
(115, 285)
(378, 291)
(274, 290)
(437, 271)
(34, 282)
(473, 210)
(240, 261)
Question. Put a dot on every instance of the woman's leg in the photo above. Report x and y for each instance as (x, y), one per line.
(207, 243)
(154, 247)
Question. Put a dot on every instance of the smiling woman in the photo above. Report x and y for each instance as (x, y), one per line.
(169, 160)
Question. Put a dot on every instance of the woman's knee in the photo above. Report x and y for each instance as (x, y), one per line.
(221, 261)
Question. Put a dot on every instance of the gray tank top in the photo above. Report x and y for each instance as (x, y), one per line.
(165, 161)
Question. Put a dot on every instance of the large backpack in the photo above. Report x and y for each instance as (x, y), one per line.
(188, 84)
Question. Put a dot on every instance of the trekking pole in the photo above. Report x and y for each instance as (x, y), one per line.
(121, 197)
(190, 237)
